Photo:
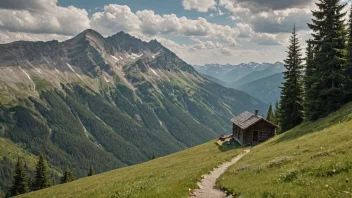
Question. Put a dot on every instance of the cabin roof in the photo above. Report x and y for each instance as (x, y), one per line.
(247, 119)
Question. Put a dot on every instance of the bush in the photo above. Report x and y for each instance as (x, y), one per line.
(289, 176)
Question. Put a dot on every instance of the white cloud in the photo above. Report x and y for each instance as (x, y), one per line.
(265, 39)
(256, 6)
(7, 37)
(115, 18)
(42, 17)
(199, 5)
(228, 52)
(245, 30)
(281, 21)
(269, 20)
(201, 45)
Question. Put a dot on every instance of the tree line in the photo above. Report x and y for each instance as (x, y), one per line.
(320, 83)
(22, 183)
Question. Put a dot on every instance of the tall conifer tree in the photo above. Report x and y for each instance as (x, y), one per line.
(291, 100)
(277, 113)
(348, 66)
(329, 55)
(270, 114)
(67, 176)
(91, 171)
(310, 84)
(42, 177)
(20, 182)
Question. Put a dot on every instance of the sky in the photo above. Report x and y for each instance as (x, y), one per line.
(198, 31)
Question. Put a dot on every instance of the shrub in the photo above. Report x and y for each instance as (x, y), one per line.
(289, 176)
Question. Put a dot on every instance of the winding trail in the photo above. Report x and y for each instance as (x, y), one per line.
(207, 187)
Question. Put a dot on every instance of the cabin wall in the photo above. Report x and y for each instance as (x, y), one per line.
(265, 132)
(237, 132)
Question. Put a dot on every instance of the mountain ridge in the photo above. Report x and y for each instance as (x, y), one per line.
(87, 101)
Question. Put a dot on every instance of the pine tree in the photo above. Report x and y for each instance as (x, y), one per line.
(67, 176)
(153, 157)
(91, 171)
(348, 66)
(329, 55)
(42, 177)
(277, 113)
(310, 84)
(20, 182)
(291, 107)
(270, 114)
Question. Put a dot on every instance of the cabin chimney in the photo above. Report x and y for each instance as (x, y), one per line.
(256, 112)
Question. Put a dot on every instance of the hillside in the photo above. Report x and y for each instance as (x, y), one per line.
(266, 89)
(220, 82)
(170, 176)
(107, 102)
(311, 160)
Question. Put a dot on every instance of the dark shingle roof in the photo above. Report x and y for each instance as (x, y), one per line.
(247, 119)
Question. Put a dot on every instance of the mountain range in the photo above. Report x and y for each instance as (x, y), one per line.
(106, 102)
(261, 80)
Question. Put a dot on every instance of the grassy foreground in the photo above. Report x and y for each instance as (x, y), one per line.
(170, 176)
(312, 160)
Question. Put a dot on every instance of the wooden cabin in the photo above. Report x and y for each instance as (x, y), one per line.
(251, 129)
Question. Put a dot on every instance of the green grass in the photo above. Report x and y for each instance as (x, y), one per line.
(170, 176)
(311, 160)
(41, 84)
(12, 151)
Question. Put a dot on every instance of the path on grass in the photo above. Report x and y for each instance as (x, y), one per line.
(207, 187)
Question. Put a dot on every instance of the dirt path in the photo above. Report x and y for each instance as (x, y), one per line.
(207, 187)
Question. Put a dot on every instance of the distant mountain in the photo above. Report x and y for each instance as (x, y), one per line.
(220, 82)
(256, 75)
(232, 73)
(107, 102)
(266, 89)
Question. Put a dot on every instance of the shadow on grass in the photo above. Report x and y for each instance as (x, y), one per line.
(340, 116)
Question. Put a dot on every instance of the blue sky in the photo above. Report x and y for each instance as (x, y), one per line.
(199, 31)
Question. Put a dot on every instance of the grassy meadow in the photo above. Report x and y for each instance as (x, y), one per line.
(311, 160)
(170, 176)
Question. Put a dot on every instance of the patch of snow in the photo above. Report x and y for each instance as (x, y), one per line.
(68, 65)
(57, 71)
(106, 79)
(136, 55)
(121, 58)
(154, 72)
(26, 73)
(44, 58)
(129, 56)
(123, 75)
(34, 67)
(114, 57)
